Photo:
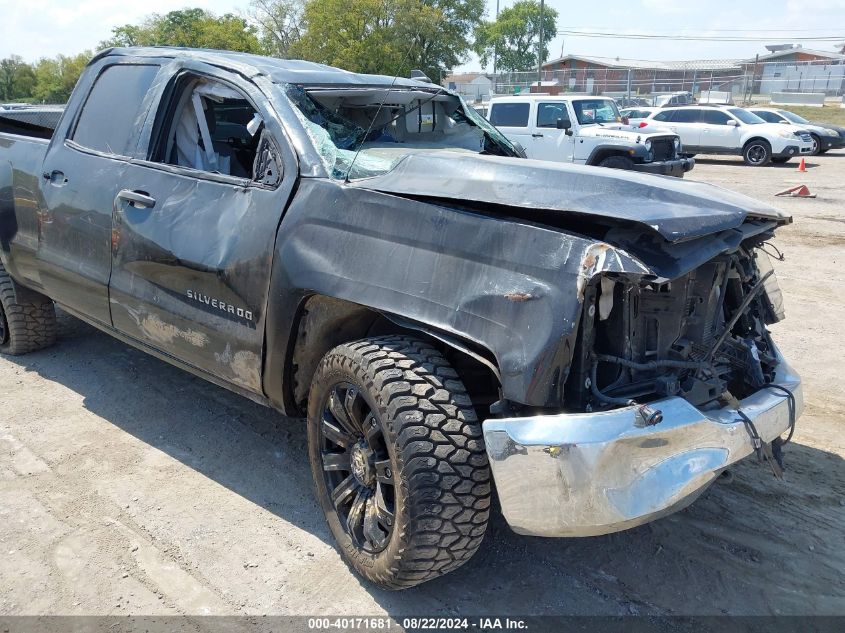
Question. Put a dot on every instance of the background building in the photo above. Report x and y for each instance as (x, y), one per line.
(783, 68)
(471, 86)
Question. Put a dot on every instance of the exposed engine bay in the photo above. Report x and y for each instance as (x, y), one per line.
(702, 336)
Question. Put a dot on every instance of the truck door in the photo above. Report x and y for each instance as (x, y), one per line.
(195, 221)
(511, 117)
(549, 141)
(84, 163)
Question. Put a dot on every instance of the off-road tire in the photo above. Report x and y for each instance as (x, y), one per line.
(780, 160)
(27, 322)
(617, 162)
(440, 473)
(757, 153)
(817, 145)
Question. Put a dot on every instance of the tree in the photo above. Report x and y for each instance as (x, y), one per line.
(391, 37)
(17, 78)
(279, 24)
(440, 32)
(195, 28)
(55, 77)
(514, 36)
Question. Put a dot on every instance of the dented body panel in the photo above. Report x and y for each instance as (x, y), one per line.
(494, 251)
(614, 323)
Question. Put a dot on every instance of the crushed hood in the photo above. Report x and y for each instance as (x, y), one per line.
(676, 209)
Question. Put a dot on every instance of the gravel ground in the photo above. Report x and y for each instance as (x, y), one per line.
(128, 486)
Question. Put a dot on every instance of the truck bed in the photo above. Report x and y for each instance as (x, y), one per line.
(33, 121)
(20, 202)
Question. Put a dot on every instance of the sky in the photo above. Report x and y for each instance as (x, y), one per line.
(44, 28)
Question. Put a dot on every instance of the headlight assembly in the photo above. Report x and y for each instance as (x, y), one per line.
(787, 134)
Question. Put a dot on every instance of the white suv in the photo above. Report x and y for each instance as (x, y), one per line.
(730, 130)
(587, 131)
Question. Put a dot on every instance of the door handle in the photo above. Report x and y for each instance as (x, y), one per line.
(537, 135)
(55, 177)
(137, 199)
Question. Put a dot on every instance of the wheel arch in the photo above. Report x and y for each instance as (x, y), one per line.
(602, 152)
(323, 322)
(756, 138)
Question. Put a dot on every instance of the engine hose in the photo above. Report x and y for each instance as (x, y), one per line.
(653, 364)
(601, 397)
(648, 415)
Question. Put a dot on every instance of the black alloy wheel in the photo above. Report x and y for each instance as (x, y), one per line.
(356, 467)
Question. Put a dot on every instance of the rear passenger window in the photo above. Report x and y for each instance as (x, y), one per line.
(107, 121)
(714, 117)
(510, 114)
(690, 115)
(664, 116)
(549, 113)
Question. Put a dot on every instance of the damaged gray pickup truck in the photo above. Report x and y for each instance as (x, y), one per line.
(369, 252)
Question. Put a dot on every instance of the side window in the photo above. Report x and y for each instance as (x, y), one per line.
(714, 117)
(510, 114)
(549, 113)
(209, 126)
(666, 115)
(687, 115)
(769, 117)
(107, 120)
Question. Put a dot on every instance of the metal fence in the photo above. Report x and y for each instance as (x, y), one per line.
(744, 80)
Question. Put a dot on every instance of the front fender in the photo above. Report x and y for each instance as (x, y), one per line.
(634, 151)
(513, 288)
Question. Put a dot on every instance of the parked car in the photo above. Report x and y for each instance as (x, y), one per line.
(672, 99)
(824, 138)
(632, 102)
(377, 258)
(732, 130)
(481, 109)
(638, 115)
(585, 131)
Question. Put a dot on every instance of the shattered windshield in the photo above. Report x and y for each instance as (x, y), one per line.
(387, 124)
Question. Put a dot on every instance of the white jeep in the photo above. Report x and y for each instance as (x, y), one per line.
(588, 131)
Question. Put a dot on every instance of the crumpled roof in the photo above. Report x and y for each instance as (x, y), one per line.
(279, 70)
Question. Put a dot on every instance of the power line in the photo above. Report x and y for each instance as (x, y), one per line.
(691, 38)
(675, 30)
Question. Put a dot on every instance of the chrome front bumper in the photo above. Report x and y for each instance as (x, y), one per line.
(585, 474)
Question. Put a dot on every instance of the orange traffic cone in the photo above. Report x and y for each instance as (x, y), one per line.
(801, 191)
(802, 166)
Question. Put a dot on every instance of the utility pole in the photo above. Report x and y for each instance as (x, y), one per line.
(540, 50)
(495, 50)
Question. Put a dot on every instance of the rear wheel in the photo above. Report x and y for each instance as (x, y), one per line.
(398, 460)
(617, 162)
(817, 145)
(27, 322)
(757, 153)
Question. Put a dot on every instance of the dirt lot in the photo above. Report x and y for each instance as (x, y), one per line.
(128, 486)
